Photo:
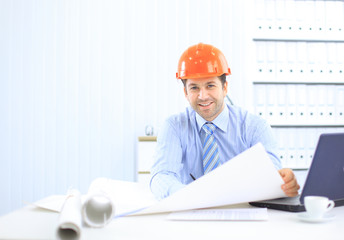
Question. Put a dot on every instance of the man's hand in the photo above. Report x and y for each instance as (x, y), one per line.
(290, 186)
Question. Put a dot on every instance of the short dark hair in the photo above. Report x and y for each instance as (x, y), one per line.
(222, 79)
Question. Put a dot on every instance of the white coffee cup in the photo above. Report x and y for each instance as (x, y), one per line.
(317, 206)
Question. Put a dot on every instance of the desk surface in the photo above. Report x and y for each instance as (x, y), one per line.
(33, 223)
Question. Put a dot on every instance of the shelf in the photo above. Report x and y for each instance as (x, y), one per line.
(270, 32)
(294, 39)
(147, 138)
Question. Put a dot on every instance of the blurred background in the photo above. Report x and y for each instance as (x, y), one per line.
(81, 79)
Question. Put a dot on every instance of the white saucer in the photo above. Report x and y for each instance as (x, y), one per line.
(305, 217)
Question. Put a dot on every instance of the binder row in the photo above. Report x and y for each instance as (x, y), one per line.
(301, 19)
(298, 79)
(300, 104)
(299, 61)
(296, 146)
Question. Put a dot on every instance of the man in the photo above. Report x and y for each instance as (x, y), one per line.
(209, 132)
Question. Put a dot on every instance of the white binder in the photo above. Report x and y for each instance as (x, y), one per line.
(271, 59)
(260, 23)
(302, 61)
(339, 69)
(281, 60)
(319, 17)
(301, 99)
(320, 62)
(282, 139)
(281, 108)
(290, 15)
(313, 135)
(291, 148)
(333, 10)
(321, 105)
(270, 14)
(330, 102)
(311, 68)
(311, 104)
(291, 101)
(282, 26)
(261, 56)
(301, 9)
(271, 104)
(330, 62)
(260, 99)
(301, 148)
(340, 105)
(291, 61)
(308, 9)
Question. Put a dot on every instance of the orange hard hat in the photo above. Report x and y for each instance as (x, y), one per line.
(202, 60)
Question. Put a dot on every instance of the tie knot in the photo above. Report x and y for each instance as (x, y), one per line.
(209, 128)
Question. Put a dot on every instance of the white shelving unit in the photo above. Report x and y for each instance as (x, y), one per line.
(298, 79)
(145, 157)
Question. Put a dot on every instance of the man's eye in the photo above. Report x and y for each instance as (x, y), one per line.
(193, 88)
(210, 86)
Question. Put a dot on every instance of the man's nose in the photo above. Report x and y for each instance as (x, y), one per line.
(203, 93)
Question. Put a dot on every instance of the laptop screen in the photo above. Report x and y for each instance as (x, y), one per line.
(326, 174)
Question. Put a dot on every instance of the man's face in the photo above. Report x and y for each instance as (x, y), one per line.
(206, 96)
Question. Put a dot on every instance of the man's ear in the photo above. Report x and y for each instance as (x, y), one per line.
(225, 87)
(185, 92)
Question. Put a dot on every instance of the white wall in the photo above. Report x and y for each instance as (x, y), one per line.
(80, 80)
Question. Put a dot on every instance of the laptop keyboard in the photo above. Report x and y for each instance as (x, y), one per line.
(286, 200)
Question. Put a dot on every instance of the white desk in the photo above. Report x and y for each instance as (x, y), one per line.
(34, 223)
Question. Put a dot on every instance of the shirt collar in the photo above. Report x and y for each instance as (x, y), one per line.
(221, 121)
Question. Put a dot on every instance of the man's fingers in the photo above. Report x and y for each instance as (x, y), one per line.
(287, 174)
(291, 188)
(291, 185)
(292, 193)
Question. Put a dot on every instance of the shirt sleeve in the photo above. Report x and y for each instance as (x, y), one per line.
(165, 171)
(262, 132)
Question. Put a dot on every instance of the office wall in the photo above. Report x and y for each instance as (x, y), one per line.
(80, 80)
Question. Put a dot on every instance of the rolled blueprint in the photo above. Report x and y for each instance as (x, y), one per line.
(98, 209)
(69, 226)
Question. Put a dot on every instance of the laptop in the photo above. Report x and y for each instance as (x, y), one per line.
(325, 176)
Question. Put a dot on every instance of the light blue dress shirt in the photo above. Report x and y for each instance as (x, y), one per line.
(179, 145)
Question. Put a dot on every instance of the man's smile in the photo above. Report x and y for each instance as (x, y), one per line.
(205, 104)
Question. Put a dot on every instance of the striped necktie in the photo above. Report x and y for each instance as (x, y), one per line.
(210, 149)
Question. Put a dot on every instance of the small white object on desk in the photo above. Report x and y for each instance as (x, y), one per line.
(305, 217)
(317, 206)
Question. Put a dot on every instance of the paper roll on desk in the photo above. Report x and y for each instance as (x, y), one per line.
(70, 223)
(98, 210)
